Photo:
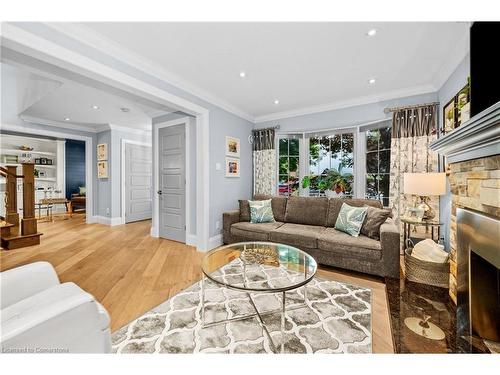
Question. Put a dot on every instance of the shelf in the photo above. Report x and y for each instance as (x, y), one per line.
(36, 165)
(45, 179)
(17, 151)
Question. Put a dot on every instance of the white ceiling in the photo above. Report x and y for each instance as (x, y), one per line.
(301, 64)
(56, 99)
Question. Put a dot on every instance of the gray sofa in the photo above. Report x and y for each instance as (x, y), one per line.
(308, 224)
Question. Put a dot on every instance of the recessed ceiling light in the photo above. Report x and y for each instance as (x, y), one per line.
(371, 32)
(125, 109)
(276, 101)
(371, 81)
(96, 107)
(67, 119)
(243, 74)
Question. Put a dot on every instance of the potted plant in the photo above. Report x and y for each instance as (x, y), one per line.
(337, 183)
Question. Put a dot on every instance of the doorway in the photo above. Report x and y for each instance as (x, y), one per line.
(138, 167)
(172, 182)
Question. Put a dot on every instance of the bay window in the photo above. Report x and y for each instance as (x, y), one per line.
(378, 161)
(288, 166)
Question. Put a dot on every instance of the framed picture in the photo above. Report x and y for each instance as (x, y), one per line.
(232, 167)
(233, 147)
(102, 169)
(43, 161)
(26, 158)
(449, 116)
(102, 151)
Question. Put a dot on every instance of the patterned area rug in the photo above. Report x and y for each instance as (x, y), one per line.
(336, 319)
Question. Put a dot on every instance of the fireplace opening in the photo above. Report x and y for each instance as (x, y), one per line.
(484, 298)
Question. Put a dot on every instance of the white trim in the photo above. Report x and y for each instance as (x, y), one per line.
(215, 241)
(104, 220)
(29, 44)
(396, 94)
(123, 202)
(107, 46)
(191, 238)
(59, 124)
(124, 129)
(89, 161)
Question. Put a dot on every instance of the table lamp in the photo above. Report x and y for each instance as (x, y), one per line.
(424, 185)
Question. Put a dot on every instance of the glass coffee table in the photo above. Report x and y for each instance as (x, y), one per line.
(258, 267)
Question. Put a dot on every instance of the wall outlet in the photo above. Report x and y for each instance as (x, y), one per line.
(217, 225)
(107, 211)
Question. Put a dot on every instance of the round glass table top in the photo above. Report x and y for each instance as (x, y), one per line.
(259, 267)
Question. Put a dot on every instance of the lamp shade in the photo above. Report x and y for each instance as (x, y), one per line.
(424, 183)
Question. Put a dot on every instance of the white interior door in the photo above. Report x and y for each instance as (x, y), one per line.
(172, 173)
(138, 182)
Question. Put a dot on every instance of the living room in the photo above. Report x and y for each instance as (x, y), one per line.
(254, 191)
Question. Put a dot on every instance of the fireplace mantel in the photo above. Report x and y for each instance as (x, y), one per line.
(478, 137)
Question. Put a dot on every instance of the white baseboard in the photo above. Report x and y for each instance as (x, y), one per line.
(154, 232)
(111, 221)
(191, 239)
(214, 242)
(92, 219)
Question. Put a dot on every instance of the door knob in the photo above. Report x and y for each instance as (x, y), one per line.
(159, 192)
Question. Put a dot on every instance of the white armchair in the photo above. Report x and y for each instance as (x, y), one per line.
(38, 314)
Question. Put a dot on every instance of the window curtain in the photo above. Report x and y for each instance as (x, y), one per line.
(413, 129)
(264, 162)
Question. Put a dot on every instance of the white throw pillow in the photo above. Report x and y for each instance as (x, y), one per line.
(429, 251)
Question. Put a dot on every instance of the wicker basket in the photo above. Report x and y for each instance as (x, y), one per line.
(430, 273)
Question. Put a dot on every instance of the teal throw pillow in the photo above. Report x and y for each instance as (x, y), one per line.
(261, 211)
(350, 219)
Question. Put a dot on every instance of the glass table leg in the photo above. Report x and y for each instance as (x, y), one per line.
(283, 323)
(202, 313)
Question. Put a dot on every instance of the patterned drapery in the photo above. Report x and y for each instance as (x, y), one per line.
(413, 129)
(264, 162)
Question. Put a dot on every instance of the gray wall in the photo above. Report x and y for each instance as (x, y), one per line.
(450, 88)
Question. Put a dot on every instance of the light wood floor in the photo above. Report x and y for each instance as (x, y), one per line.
(130, 272)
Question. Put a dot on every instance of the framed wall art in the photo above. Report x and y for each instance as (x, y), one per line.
(233, 147)
(232, 167)
(102, 169)
(457, 110)
(102, 151)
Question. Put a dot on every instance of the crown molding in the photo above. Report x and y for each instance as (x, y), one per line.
(59, 124)
(85, 35)
(396, 94)
(459, 51)
(126, 129)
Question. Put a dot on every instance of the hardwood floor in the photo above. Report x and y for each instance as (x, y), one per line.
(130, 272)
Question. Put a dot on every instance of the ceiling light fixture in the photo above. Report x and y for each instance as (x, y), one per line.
(371, 32)
(276, 101)
(371, 81)
(96, 107)
(125, 109)
(243, 74)
(67, 119)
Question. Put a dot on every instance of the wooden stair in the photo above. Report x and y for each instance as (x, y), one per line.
(17, 241)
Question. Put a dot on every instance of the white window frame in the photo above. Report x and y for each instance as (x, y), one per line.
(277, 139)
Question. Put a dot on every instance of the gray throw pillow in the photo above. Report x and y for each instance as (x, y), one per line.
(350, 219)
(375, 217)
(244, 210)
(261, 211)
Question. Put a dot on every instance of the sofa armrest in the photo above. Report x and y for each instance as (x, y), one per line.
(229, 218)
(22, 282)
(390, 243)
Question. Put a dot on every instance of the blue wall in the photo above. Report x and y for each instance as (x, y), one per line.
(75, 166)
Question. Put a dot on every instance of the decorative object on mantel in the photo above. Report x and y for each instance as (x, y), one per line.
(264, 161)
(457, 110)
(102, 151)
(424, 185)
(413, 129)
(102, 169)
(233, 147)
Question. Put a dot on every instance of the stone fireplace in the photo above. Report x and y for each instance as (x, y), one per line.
(473, 156)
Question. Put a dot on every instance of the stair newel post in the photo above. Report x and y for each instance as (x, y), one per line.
(11, 214)
(28, 222)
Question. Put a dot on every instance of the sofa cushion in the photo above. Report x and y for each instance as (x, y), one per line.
(299, 235)
(335, 204)
(374, 218)
(278, 204)
(254, 232)
(244, 210)
(307, 210)
(342, 243)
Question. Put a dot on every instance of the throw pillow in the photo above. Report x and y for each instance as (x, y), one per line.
(244, 210)
(375, 217)
(261, 211)
(82, 190)
(350, 219)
